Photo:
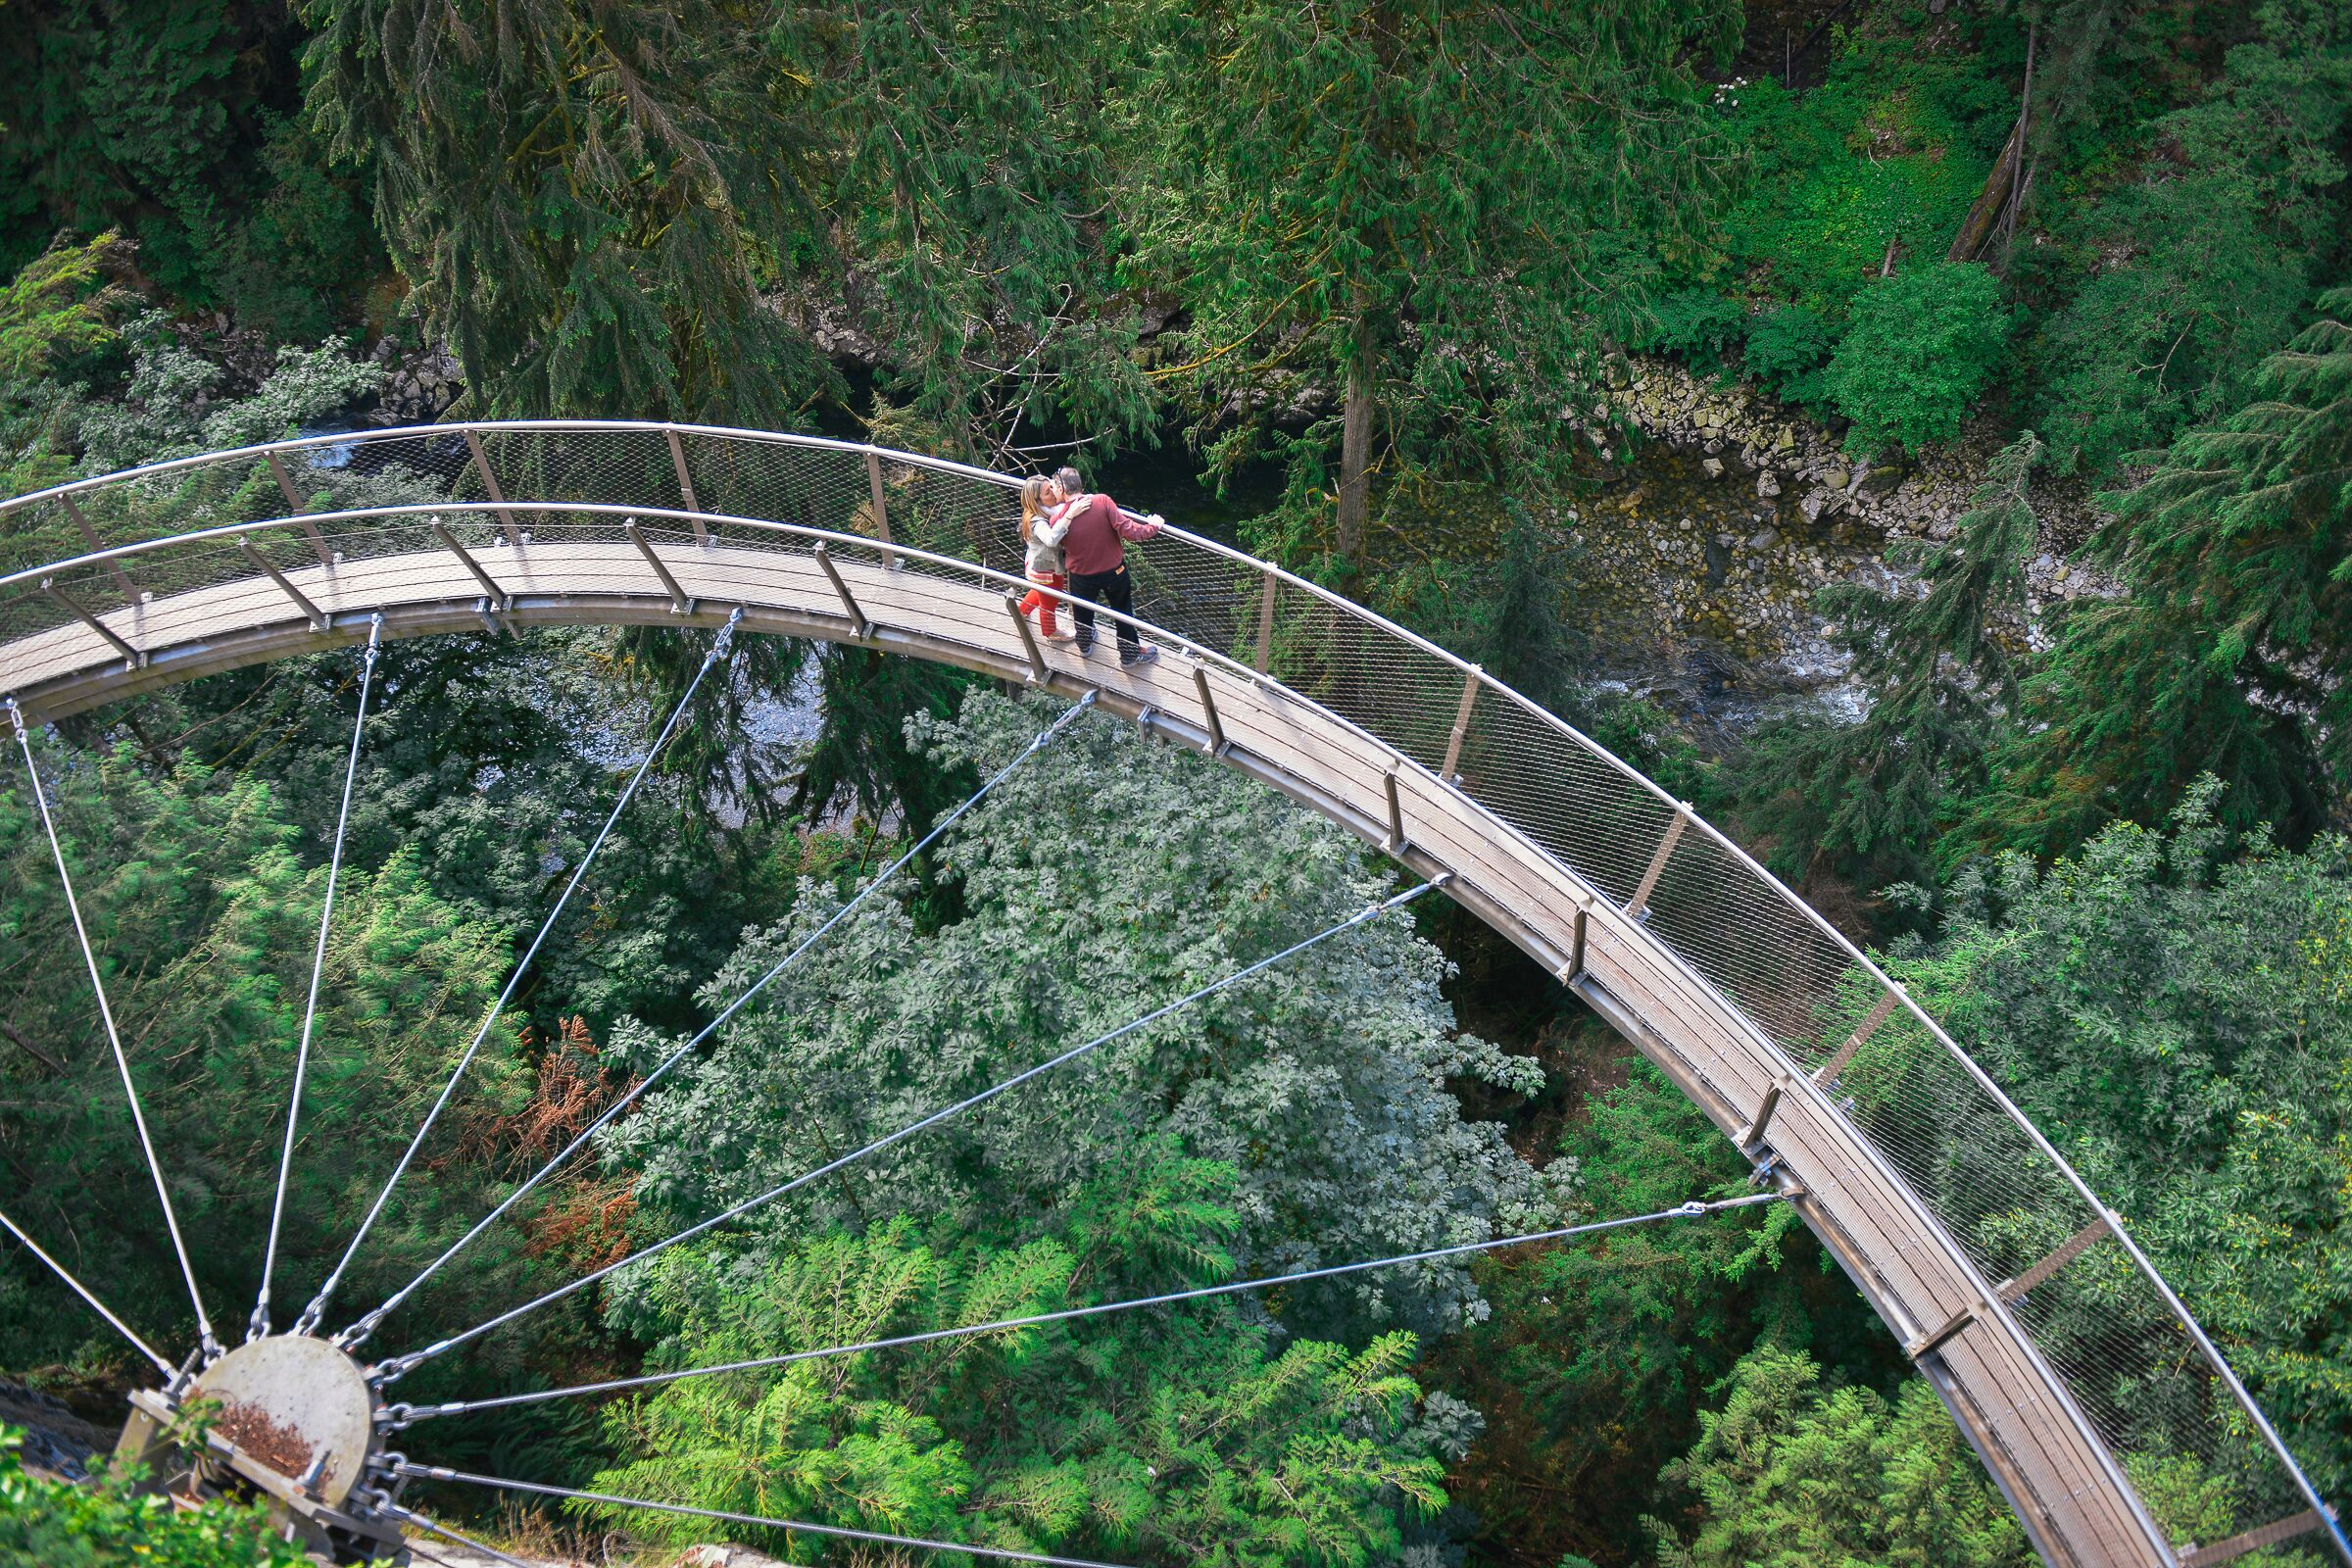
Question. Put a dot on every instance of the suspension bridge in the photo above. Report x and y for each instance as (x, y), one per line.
(2055, 1342)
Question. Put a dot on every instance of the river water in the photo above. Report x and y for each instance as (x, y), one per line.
(1693, 592)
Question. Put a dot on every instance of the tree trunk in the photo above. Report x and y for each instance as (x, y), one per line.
(2001, 186)
(1355, 443)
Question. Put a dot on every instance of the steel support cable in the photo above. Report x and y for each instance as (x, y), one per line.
(408, 1516)
(402, 1415)
(434, 1472)
(106, 1012)
(720, 647)
(401, 1366)
(83, 1291)
(367, 1325)
(258, 1324)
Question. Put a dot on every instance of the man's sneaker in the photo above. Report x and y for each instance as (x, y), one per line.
(1142, 655)
(1086, 644)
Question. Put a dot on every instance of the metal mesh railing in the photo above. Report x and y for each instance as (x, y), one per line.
(2141, 1373)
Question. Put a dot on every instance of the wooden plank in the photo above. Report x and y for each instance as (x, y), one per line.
(1826, 1073)
(2270, 1535)
(2065, 1481)
(2063, 1253)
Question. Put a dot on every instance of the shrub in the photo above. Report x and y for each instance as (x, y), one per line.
(1920, 348)
(60, 1525)
(1786, 349)
(1696, 325)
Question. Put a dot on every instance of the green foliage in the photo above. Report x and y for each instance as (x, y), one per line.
(1599, 1351)
(1787, 347)
(2182, 1023)
(971, 150)
(864, 759)
(203, 921)
(55, 306)
(1889, 151)
(169, 409)
(2206, 258)
(58, 1524)
(2188, 1502)
(1175, 1436)
(54, 311)
(2229, 652)
(1696, 325)
(1941, 668)
(1922, 346)
(588, 201)
(1789, 1475)
(1343, 203)
(1101, 879)
(167, 118)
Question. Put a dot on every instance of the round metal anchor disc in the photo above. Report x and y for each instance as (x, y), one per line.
(289, 1402)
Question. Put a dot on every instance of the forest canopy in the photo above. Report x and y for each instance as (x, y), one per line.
(1392, 293)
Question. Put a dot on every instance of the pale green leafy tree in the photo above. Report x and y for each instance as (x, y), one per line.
(1104, 877)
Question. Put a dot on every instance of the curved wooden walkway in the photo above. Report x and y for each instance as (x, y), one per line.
(1354, 730)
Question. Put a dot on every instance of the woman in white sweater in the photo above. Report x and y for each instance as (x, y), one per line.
(1043, 528)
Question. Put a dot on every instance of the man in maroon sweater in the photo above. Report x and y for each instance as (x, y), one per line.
(1096, 556)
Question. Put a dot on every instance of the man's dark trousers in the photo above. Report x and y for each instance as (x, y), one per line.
(1113, 591)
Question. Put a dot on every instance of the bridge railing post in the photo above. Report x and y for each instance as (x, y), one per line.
(677, 460)
(297, 506)
(879, 498)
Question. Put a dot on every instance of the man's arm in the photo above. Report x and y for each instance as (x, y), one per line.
(1128, 528)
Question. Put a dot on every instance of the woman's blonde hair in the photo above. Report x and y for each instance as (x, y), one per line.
(1033, 502)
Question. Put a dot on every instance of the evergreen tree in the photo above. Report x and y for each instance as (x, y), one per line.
(175, 121)
(1429, 209)
(970, 171)
(1789, 1475)
(1600, 1353)
(1179, 1437)
(1938, 658)
(2230, 651)
(202, 920)
(588, 199)
(2176, 1007)
(2217, 246)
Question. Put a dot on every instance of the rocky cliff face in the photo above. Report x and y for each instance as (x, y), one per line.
(418, 384)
